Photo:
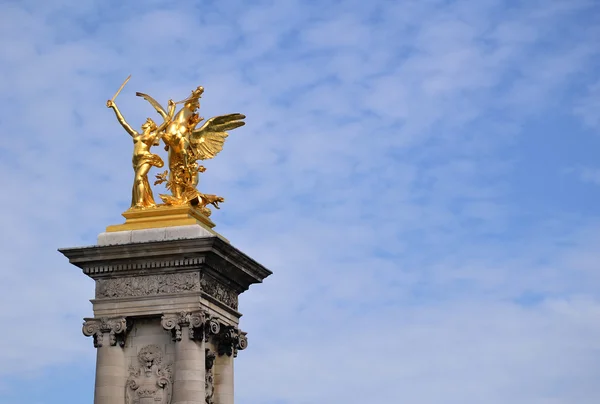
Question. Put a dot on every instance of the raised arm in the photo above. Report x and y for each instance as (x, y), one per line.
(168, 118)
(122, 121)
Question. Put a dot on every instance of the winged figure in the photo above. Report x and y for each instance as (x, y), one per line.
(187, 143)
(208, 140)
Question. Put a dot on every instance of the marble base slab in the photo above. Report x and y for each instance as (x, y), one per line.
(157, 234)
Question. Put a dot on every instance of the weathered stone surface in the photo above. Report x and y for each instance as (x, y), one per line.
(111, 375)
(209, 386)
(146, 235)
(222, 293)
(185, 232)
(194, 321)
(117, 237)
(115, 327)
(158, 234)
(204, 254)
(151, 380)
(169, 283)
(148, 285)
(188, 279)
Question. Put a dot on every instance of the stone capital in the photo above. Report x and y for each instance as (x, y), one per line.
(230, 340)
(115, 327)
(212, 327)
(174, 322)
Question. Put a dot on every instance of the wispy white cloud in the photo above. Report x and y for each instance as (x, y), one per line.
(589, 106)
(378, 176)
(585, 174)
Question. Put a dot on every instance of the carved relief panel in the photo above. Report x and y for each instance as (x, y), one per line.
(150, 381)
(219, 291)
(159, 284)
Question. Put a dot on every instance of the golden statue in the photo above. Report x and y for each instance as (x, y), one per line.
(143, 159)
(186, 144)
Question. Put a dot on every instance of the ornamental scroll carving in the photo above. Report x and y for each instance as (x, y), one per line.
(212, 328)
(116, 329)
(194, 321)
(147, 285)
(151, 381)
(230, 340)
(219, 291)
(209, 386)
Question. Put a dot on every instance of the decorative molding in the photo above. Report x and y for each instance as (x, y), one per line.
(161, 256)
(194, 321)
(96, 327)
(212, 327)
(242, 342)
(230, 340)
(159, 284)
(219, 291)
(209, 386)
(93, 269)
(151, 380)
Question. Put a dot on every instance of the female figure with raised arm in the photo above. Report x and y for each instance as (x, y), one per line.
(143, 159)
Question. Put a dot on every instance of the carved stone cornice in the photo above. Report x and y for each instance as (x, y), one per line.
(193, 320)
(115, 327)
(208, 253)
(182, 263)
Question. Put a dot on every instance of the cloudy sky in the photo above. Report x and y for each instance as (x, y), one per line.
(421, 176)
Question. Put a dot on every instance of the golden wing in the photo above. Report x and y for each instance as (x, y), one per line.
(207, 141)
(155, 104)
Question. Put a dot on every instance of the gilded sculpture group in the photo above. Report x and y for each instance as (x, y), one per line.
(186, 144)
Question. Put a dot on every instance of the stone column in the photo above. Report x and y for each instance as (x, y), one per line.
(223, 379)
(182, 276)
(229, 340)
(189, 366)
(109, 339)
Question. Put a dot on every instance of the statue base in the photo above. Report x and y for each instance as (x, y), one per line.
(166, 319)
(163, 216)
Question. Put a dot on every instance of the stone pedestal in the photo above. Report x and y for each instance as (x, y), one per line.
(165, 314)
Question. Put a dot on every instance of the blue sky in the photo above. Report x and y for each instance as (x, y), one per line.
(421, 176)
